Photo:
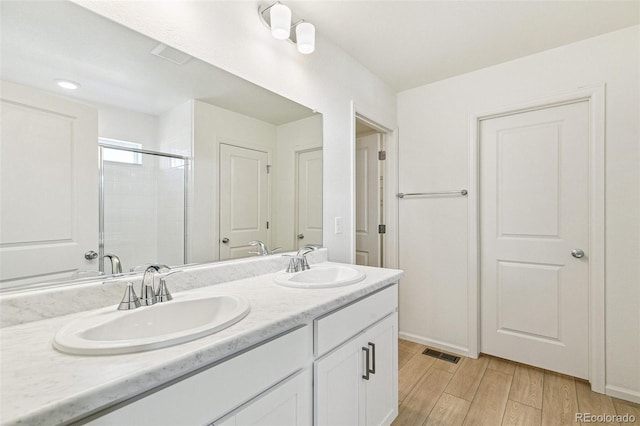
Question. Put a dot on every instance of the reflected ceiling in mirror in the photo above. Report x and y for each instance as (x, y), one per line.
(200, 162)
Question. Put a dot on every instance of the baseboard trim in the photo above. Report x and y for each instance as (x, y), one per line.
(623, 393)
(436, 344)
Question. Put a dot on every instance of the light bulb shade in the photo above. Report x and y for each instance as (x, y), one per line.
(280, 21)
(306, 37)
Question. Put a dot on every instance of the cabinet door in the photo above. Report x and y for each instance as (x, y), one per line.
(345, 393)
(338, 382)
(288, 404)
(381, 390)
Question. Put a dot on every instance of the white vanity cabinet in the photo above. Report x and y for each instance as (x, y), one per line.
(341, 371)
(287, 404)
(208, 395)
(356, 383)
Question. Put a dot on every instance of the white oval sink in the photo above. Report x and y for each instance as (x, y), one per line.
(320, 276)
(110, 332)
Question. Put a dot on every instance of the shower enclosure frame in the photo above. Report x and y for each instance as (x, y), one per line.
(187, 165)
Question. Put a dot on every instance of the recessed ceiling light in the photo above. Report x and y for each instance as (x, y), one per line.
(66, 84)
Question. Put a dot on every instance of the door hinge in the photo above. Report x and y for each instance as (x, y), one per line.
(268, 168)
(382, 155)
(267, 224)
(382, 229)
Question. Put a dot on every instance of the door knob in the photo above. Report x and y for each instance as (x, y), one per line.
(577, 253)
(90, 255)
(225, 240)
(300, 236)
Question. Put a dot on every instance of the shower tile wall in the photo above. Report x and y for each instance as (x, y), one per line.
(144, 211)
(170, 202)
(130, 218)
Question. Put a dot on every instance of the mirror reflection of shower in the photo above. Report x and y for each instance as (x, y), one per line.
(142, 207)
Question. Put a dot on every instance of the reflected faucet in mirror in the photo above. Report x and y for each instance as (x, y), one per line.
(262, 248)
(116, 266)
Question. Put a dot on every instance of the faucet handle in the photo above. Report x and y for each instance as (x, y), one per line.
(275, 250)
(130, 299)
(304, 263)
(162, 293)
(294, 263)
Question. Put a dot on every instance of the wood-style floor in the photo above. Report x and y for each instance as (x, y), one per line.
(492, 391)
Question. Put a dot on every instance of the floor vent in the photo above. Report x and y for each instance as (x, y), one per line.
(440, 355)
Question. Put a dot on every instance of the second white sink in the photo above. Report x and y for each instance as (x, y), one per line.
(185, 318)
(320, 276)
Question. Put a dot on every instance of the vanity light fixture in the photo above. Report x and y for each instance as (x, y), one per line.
(68, 84)
(279, 21)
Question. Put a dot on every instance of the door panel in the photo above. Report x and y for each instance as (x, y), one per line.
(381, 391)
(244, 200)
(309, 198)
(367, 201)
(49, 186)
(533, 211)
(337, 378)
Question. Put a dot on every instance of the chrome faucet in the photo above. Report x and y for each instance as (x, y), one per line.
(299, 262)
(116, 265)
(147, 292)
(302, 255)
(262, 247)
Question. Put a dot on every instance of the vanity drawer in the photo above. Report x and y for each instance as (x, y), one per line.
(339, 326)
(210, 394)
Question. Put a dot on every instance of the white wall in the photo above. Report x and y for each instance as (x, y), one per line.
(127, 125)
(434, 156)
(293, 137)
(230, 35)
(175, 130)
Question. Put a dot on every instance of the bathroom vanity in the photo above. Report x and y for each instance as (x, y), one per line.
(301, 356)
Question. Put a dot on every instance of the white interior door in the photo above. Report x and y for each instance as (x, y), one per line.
(534, 212)
(367, 200)
(309, 197)
(244, 200)
(49, 186)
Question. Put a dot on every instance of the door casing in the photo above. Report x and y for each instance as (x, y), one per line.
(390, 142)
(595, 96)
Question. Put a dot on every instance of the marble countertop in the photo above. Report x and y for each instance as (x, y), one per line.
(41, 386)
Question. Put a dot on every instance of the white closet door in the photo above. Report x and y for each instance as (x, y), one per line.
(244, 200)
(534, 212)
(48, 186)
(309, 197)
(367, 200)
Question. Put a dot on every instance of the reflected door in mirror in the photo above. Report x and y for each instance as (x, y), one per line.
(49, 186)
(309, 197)
(244, 200)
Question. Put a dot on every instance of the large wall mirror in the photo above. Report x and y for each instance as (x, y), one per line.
(155, 157)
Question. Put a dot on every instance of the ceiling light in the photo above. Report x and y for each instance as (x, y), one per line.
(306, 37)
(278, 20)
(67, 84)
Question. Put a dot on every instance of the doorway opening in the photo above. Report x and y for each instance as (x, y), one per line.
(370, 186)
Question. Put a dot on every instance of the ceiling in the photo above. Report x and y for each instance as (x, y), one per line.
(412, 43)
(405, 43)
(47, 40)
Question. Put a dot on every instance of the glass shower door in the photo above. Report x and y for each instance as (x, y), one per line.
(142, 208)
